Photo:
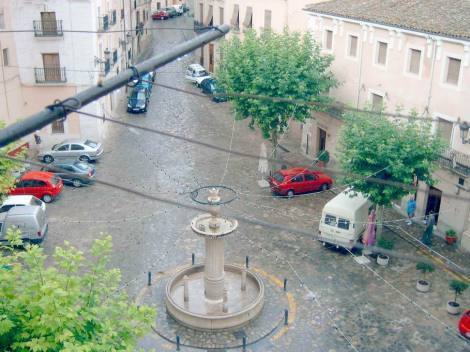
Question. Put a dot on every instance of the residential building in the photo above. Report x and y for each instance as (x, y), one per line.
(397, 56)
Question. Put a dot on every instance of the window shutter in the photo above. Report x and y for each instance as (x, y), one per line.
(247, 23)
(235, 19)
(382, 53)
(329, 39)
(221, 12)
(267, 19)
(353, 46)
(453, 70)
(208, 21)
(415, 60)
(444, 129)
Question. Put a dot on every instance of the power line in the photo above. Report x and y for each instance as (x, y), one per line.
(86, 31)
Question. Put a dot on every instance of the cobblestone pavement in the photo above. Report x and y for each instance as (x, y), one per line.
(340, 304)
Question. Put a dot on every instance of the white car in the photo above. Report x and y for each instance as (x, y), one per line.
(17, 201)
(179, 9)
(195, 73)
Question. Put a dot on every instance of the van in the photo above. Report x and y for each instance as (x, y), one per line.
(18, 201)
(30, 220)
(344, 219)
(195, 73)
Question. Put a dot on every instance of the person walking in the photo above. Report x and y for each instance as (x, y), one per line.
(410, 210)
(428, 232)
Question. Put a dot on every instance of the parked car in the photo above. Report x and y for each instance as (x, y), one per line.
(179, 9)
(42, 185)
(138, 101)
(75, 174)
(210, 86)
(171, 11)
(298, 180)
(146, 80)
(464, 324)
(185, 7)
(160, 15)
(20, 201)
(81, 149)
(195, 73)
(30, 220)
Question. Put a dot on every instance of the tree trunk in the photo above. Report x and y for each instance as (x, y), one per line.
(379, 210)
(274, 151)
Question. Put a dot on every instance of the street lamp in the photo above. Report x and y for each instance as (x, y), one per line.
(107, 57)
(464, 128)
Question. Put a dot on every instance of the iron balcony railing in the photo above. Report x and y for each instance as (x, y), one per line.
(50, 75)
(456, 161)
(48, 28)
(103, 23)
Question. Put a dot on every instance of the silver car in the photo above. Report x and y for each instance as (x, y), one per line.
(81, 149)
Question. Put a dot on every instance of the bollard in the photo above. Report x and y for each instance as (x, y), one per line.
(285, 284)
(246, 261)
(193, 258)
(286, 317)
(177, 343)
(149, 278)
(244, 343)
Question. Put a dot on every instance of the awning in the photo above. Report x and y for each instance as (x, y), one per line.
(248, 17)
(208, 17)
(235, 21)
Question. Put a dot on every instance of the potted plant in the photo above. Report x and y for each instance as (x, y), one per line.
(458, 287)
(451, 236)
(384, 243)
(323, 157)
(422, 285)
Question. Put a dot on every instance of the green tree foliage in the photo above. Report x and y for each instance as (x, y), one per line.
(458, 287)
(371, 144)
(7, 180)
(285, 65)
(72, 305)
(425, 268)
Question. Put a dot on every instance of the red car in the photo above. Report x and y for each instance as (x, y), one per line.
(42, 185)
(160, 15)
(298, 180)
(464, 324)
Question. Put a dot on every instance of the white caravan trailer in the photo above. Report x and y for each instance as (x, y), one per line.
(344, 219)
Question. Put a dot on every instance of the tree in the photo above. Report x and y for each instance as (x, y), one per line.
(458, 287)
(279, 65)
(372, 146)
(73, 305)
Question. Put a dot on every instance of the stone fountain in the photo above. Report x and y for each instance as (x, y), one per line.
(214, 295)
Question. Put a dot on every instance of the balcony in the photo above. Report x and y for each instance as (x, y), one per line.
(455, 161)
(103, 23)
(50, 75)
(48, 28)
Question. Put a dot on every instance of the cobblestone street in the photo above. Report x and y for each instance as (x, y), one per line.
(335, 304)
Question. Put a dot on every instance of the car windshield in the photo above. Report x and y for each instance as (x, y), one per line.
(138, 98)
(55, 180)
(91, 144)
(278, 177)
(201, 73)
(55, 146)
(35, 201)
(81, 166)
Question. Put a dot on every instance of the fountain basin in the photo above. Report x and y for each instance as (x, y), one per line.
(203, 314)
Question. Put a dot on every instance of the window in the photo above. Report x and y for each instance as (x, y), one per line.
(210, 18)
(201, 12)
(51, 64)
(158, 5)
(444, 129)
(298, 178)
(278, 177)
(38, 183)
(343, 224)
(415, 61)
(267, 19)
(77, 147)
(352, 50)
(58, 127)
(381, 53)
(328, 39)
(377, 101)
(453, 70)
(310, 177)
(49, 23)
(235, 21)
(330, 220)
(221, 15)
(6, 60)
(248, 22)
(122, 14)
(461, 181)
(2, 19)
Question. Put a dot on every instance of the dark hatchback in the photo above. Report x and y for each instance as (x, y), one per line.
(75, 173)
(138, 101)
(210, 86)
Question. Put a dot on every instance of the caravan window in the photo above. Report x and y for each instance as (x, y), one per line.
(343, 224)
(330, 220)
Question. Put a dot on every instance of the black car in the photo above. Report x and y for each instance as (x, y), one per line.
(171, 11)
(74, 173)
(138, 101)
(210, 86)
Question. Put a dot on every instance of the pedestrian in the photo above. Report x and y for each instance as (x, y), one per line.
(37, 138)
(428, 232)
(410, 210)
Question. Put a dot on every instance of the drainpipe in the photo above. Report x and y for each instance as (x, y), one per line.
(359, 82)
(433, 62)
(4, 83)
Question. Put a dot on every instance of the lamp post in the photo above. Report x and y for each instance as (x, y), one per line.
(464, 128)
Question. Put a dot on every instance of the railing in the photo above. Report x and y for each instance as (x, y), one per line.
(456, 161)
(103, 23)
(48, 28)
(200, 27)
(50, 75)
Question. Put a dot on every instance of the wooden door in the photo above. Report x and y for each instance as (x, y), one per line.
(49, 23)
(51, 63)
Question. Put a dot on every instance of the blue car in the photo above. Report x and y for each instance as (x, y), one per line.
(138, 101)
(210, 86)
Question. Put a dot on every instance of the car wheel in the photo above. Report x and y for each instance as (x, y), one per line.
(290, 193)
(84, 158)
(325, 187)
(48, 159)
(76, 182)
(47, 198)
